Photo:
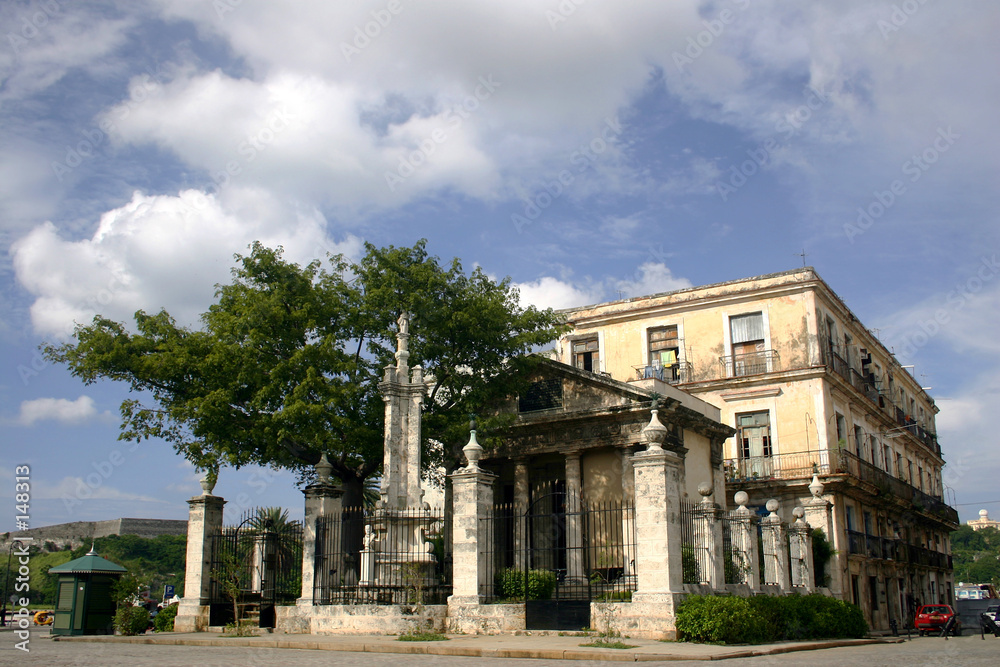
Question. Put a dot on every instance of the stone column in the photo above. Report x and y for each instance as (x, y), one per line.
(819, 514)
(743, 535)
(708, 538)
(204, 522)
(775, 548)
(658, 538)
(574, 520)
(472, 491)
(521, 486)
(800, 546)
(321, 533)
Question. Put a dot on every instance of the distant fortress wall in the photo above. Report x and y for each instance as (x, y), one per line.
(79, 533)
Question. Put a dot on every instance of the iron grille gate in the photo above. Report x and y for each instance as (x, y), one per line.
(558, 555)
(259, 563)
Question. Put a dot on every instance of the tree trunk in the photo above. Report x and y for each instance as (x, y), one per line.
(354, 490)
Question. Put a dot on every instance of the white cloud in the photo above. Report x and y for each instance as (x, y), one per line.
(651, 278)
(74, 490)
(549, 292)
(160, 252)
(57, 409)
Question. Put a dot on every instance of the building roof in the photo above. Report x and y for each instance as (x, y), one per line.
(88, 564)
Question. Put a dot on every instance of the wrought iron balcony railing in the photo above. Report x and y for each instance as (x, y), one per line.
(802, 465)
(673, 374)
(751, 363)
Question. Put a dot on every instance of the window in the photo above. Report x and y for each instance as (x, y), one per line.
(888, 459)
(873, 592)
(664, 352)
(754, 433)
(859, 443)
(841, 429)
(748, 344)
(586, 354)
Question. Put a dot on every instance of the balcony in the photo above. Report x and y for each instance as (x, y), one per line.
(802, 465)
(892, 549)
(752, 363)
(673, 374)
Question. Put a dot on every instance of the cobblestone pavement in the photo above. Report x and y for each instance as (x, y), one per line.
(921, 652)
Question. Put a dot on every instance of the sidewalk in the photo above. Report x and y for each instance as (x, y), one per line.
(533, 645)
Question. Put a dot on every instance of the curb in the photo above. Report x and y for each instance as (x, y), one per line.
(434, 648)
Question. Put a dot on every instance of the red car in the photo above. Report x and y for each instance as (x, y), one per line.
(933, 617)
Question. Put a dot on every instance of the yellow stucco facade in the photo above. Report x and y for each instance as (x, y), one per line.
(809, 390)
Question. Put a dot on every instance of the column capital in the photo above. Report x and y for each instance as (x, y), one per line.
(321, 490)
(207, 501)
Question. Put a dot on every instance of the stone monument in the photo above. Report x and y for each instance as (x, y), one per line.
(396, 545)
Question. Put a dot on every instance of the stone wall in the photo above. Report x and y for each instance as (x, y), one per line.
(81, 533)
(361, 619)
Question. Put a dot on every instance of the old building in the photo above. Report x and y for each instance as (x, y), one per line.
(809, 391)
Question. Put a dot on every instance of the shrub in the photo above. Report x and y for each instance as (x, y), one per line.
(764, 618)
(718, 620)
(510, 584)
(164, 621)
(131, 620)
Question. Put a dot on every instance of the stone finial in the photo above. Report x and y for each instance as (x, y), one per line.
(323, 469)
(705, 490)
(816, 487)
(798, 513)
(654, 433)
(208, 482)
(772, 506)
(473, 451)
(741, 498)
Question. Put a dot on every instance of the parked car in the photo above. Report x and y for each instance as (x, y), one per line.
(933, 617)
(993, 611)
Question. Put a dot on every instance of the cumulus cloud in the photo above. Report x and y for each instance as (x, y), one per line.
(57, 409)
(549, 292)
(160, 251)
(651, 278)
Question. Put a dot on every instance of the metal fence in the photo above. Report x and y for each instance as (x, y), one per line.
(558, 547)
(380, 556)
(255, 566)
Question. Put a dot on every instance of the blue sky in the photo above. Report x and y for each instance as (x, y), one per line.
(589, 150)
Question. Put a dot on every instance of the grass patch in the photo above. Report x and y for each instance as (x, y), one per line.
(606, 643)
(422, 637)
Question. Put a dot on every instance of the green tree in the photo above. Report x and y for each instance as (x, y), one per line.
(287, 361)
(976, 555)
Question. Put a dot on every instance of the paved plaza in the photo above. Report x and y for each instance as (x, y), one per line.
(214, 651)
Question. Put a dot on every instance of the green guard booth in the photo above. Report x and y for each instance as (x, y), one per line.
(84, 605)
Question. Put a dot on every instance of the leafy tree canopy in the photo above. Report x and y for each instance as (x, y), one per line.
(287, 361)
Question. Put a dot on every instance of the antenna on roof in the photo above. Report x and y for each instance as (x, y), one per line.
(802, 255)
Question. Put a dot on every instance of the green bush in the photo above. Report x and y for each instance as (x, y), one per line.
(510, 584)
(763, 618)
(718, 620)
(131, 620)
(164, 621)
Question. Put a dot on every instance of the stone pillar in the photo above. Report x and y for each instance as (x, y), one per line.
(708, 539)
(472, 491)
(204, 522)
(743, 536)
(321, 532)
(521, 493)
(658, 537)
(775, 549)
(574, 520)
(801, 558)
(819, 514)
